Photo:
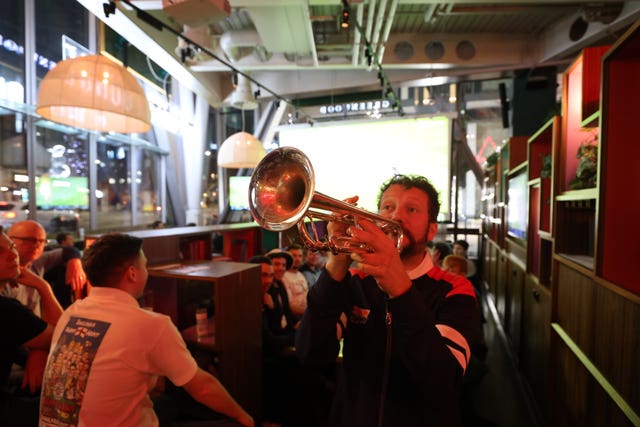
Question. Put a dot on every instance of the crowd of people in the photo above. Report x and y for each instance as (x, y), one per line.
(376, 336)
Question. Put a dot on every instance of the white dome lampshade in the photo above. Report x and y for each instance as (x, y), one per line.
(92, 92)
(241, 150)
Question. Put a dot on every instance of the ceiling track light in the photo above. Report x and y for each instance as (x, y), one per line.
(196, 47)
(346, 11)
(109, 8)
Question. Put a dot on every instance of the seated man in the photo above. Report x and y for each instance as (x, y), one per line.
(24, 338)
(108, 353)
(30, 239)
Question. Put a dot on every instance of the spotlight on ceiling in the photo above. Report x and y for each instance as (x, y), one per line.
(344, 20)
(242, 97)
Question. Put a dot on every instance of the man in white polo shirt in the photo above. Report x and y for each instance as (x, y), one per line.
(107, 353)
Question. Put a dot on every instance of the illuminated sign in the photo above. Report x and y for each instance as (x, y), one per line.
(353, 107)
(11, 46)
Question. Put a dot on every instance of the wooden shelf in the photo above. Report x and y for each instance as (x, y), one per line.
(576, 195)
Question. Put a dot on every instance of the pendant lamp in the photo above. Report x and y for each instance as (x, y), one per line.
(92, 92)
(241, 150)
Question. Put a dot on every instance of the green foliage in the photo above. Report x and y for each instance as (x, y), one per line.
(587, 172)
(493, 159)
(545, 171)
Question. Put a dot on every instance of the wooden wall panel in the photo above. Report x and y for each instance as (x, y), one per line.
(536, 330)
(570, 382)
(617, 343)
(578, 398)
(515, 288)
(575, 306)
(500, 292)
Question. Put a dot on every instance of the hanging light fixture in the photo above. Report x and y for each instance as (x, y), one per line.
(241, 150)
(92, 92)
(242, 96)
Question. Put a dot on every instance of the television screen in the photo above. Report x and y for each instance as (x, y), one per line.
(239, 193)
(517, 205)
(62, 193)
(355, 157)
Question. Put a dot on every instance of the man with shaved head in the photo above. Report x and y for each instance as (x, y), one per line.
(30, 239)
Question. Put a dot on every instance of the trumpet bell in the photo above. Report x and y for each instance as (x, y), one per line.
(281, 189)
(282, 194)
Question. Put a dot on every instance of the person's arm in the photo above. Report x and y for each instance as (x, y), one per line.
(206, 389)
(49, 305)
(28, 330)
(74, 275)
(316, 340)
(34, 369)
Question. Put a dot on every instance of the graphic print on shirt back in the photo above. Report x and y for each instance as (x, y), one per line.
(68, 369)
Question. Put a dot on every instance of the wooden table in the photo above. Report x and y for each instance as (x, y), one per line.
(236, 340)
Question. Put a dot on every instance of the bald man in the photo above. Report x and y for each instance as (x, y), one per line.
(30, 239)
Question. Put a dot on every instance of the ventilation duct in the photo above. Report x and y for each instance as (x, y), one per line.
(240, 43)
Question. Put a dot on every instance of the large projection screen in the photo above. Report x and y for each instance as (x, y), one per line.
(355, 158)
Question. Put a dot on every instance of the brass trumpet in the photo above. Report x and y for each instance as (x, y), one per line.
(282, 194)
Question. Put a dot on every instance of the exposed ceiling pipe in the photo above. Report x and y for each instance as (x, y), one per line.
(429, 14)
(378, 25)
(233, 40)
(309, 30)
(387, 29)
(370, 14)
(355, 56)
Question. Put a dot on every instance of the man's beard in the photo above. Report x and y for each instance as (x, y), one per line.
(415, 246)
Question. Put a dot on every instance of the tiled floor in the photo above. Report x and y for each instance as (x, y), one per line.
(501, 398)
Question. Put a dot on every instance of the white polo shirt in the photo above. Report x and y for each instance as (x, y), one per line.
(107, 354)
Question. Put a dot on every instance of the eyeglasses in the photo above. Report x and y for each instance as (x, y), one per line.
(31, 240)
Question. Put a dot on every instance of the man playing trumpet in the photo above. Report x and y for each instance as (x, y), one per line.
(409, 323)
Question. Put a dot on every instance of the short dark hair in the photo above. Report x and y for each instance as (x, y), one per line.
(106, 259)
(463, 243)
(61, 237)
(420, 182)
(259, 259)
(443, 247)
(295, 246)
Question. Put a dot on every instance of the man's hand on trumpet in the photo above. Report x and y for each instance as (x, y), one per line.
(382, 260)
(338, 264)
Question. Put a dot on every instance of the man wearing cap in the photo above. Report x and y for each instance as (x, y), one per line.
(297, 294)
